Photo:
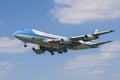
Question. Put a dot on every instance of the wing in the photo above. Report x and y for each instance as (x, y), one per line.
(77, 38)
(89, 37)
(103, 32)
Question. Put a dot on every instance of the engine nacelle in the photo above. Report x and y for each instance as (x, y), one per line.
(65, 40)
(89, 37)
(37, 50)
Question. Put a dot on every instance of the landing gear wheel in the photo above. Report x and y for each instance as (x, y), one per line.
(33, 48)
(52, 53)
(60, 52)
(25, 45)
(65, 50)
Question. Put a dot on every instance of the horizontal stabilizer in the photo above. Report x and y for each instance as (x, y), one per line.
(101, 43)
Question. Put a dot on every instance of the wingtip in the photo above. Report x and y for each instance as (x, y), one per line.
(112, 30)
(110, 41)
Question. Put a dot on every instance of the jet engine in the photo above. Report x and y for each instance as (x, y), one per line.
(89, 37)
(65, 40)
(37, 50)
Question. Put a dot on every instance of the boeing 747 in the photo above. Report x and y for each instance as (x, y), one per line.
(53, 43)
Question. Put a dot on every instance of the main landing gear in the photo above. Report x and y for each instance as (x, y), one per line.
(25, 45)
(52, 53)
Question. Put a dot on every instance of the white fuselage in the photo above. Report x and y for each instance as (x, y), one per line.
(41, 38)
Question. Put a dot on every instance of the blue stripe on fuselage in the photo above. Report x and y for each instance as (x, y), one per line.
(31, 33)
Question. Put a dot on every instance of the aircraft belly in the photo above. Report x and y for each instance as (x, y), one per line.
(56, 46)
(80, 47)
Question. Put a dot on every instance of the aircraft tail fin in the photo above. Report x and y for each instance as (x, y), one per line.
(96, 31)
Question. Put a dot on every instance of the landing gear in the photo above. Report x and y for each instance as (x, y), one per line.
(51, 50)
(25, 45)
(52, 53)
(60, 52)
(33, 48)
(65, 50)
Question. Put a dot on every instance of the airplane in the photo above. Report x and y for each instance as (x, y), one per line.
(53, 43)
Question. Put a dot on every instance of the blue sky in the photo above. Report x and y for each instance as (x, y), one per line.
(60, 17)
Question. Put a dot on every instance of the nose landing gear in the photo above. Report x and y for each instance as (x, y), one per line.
(25, 45)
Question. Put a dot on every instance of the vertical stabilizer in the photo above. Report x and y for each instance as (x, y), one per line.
(96, 31)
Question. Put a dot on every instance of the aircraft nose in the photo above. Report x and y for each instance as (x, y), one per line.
(16, 34)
